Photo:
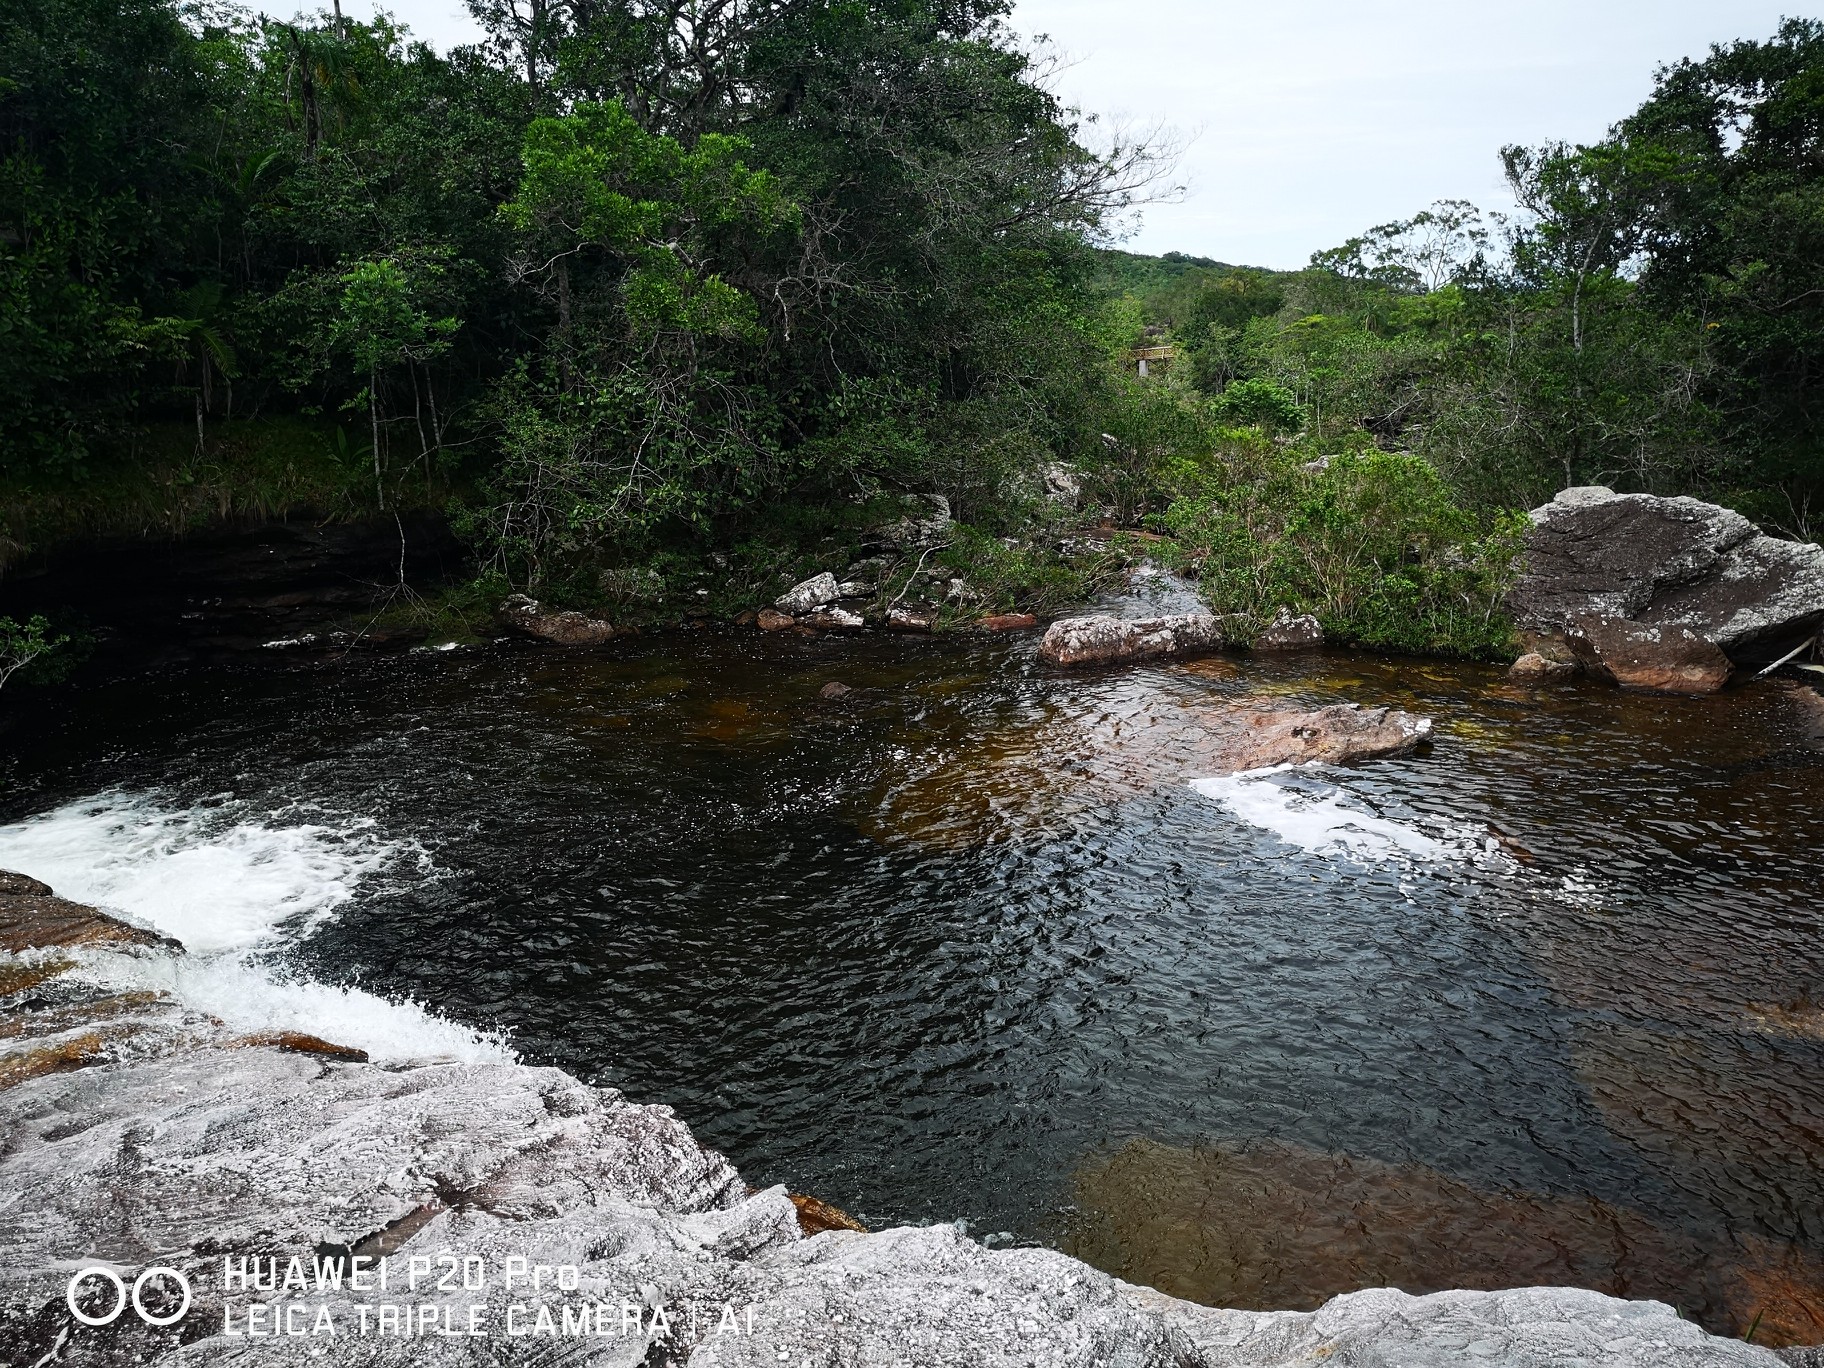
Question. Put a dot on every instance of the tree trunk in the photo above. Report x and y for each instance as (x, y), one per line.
(373, 413)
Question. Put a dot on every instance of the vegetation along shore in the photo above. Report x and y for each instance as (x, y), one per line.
(663, 319)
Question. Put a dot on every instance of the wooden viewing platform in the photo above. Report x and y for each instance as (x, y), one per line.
(1144, 358)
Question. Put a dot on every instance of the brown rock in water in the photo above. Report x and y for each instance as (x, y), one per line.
(1533, 667)
(834, 690)
(299, 1043)
(17, 885)
(1639, 655)
(1808, 703)
(527, 616)
(1289, 633)
(815, 1217)
(1100, 639)
(911, 620)
(835, 619)
(1007, 622)
(34, 921)
(772, 620)
(1255, 738)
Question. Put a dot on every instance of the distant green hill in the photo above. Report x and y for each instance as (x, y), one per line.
(1177, 289)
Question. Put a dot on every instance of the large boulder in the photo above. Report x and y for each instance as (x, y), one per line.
(1103, 639)
(1640, 655)
(1662, 593)
(808, 595)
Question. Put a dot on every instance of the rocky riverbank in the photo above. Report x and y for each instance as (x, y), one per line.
(140, 1133)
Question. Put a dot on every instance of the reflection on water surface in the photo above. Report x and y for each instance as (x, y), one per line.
(967, 945)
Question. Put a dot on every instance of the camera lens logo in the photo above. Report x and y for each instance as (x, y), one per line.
(122, 1297)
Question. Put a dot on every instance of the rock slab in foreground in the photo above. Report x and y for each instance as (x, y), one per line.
(1662, 593)
(257, 1151)
(1258, 738)
(1102, 639)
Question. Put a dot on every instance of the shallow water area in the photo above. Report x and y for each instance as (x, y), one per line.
(985, 943)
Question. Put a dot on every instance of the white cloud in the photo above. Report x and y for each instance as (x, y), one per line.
(1319, 118)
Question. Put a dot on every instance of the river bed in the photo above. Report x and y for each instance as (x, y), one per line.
(988, 944)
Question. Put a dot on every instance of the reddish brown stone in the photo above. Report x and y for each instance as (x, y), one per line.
(1256, 738)
(772, 620)
(1533, 667)
(1007, 622)
(1638, 655)
(815, 1217)
(35, 921)
(299, 1043)
(1100, 639)
(22, 885)
(527, 617)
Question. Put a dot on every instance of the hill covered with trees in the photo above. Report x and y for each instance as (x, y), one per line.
(636, 288)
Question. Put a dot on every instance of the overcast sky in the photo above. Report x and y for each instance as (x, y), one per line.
(1310, 120)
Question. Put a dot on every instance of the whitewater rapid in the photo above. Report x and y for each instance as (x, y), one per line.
(1306, 806)
(238, 886)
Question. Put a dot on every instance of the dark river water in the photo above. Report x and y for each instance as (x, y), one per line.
(1542, 1004)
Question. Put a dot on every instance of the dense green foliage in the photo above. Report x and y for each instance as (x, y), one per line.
(1650, 321)
(646, 289)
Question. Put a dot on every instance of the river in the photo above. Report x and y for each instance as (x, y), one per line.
(971, 943)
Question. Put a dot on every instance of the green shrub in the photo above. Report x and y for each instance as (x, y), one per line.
(1374, 544)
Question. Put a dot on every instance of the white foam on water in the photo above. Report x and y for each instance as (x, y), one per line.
(234, 883)
(209, 877)
(249, 996)
(1320, 821)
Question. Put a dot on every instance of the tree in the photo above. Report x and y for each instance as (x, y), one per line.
(380, 326)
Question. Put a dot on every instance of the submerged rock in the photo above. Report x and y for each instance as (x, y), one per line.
(1256, 738)
(834, 690)
(525, 615)
(1007, 622)
(1662, 593)
(1271, 1224)
(1533, 666)
(1290, 633)
(808, 594)
(772, 620)
(1101, 639)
